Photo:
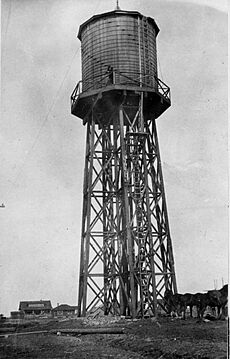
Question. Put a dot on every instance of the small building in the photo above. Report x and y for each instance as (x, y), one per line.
(17, 314)
(64, 310)
(37, 308)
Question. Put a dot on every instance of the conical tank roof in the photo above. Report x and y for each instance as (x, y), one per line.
(116, 13)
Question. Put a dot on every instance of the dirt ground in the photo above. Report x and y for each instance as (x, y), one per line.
(163, 338)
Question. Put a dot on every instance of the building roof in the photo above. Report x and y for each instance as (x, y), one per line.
(35, 305)
(65, 307)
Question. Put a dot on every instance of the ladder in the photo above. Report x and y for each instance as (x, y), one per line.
(135, 143)
(145, 39)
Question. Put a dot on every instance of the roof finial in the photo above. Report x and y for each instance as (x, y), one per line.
(117, 7)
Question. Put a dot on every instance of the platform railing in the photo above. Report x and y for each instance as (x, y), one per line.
(162, 88)
(121, 78)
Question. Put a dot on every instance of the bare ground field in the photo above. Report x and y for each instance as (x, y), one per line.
(163, 338)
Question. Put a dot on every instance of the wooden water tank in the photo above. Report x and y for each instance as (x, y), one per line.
(124, 41)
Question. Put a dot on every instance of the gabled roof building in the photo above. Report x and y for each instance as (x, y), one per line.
(36, 308)
(64, 310)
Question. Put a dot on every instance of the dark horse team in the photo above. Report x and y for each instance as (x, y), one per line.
(215, 299)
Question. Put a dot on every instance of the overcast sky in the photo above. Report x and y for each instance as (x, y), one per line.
(42, 144)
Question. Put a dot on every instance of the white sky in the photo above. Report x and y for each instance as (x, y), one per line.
(221, 5)
(42, 145)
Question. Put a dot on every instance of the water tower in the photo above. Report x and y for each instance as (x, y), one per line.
(126, 260)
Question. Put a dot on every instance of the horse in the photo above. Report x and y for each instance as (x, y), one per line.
(218, 299)
(213, 299)
(178, 302)
(171, 301)
(187, 300)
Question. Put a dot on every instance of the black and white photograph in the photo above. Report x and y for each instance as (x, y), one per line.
(114, 197)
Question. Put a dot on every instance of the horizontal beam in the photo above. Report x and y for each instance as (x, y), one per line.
(84, 331)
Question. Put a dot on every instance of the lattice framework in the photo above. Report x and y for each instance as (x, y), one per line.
(126, 250)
